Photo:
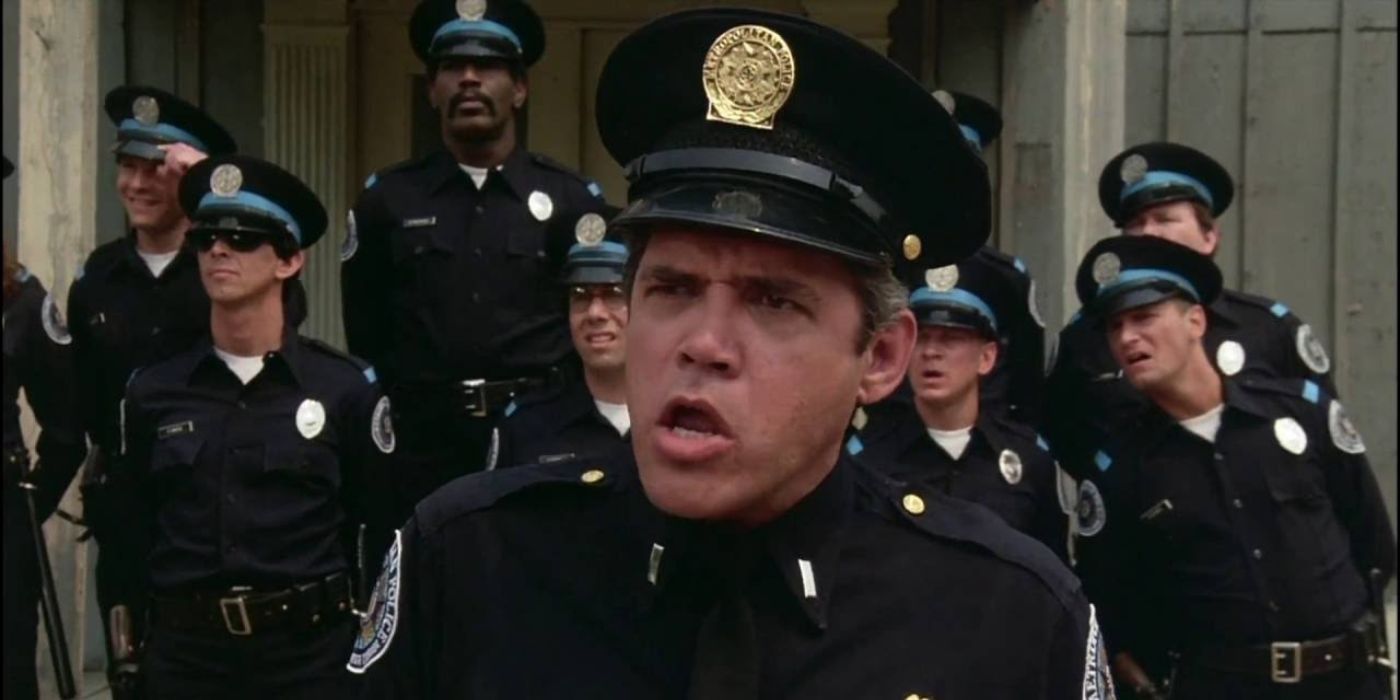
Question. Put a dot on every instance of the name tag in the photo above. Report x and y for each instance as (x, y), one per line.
(420, 222)
(1163, 506)
(166, 432)
(97, 319)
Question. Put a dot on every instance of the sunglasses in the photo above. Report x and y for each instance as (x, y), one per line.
(239, 241)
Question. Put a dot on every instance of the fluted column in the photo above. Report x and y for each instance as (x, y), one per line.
(307, 127)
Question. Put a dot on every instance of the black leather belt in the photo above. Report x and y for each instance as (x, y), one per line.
(481, 398)
(243, 612)
(1291, 662)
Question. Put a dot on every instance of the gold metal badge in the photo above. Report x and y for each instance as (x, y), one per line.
(748, 74)
(912, 247)
(913, 504)
(592, 476)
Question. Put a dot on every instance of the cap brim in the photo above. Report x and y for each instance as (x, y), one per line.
(1139, 297)
(593, 275)
(144, 150)
(479, 47)
(954, 317)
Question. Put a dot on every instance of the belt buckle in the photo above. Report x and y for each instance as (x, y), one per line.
(474, 391)
(1286, 662)
(239, 604)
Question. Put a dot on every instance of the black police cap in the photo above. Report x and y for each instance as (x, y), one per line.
(506, 29)
(775, 125)
(1126, 272)
(9, 167)
(594, 259)
(979, 121)
(148, 117)
(969, 294)
(243, 193)
(1157, 173)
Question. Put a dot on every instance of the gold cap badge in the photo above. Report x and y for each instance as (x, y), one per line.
(748, 74)
(912, 247)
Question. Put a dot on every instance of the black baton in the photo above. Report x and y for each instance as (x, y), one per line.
(53, 621)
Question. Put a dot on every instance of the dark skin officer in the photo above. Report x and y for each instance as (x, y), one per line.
(587, 417)
(1175, 192)
(250, 462)
(951, 440)
(39, 361)
(735, 552)
(1236, 529)
(449, 274)
(138, 299)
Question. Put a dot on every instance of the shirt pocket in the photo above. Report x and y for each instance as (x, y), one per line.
(172, 465)
(309, 465)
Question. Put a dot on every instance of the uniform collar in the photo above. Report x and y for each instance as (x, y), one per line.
(514, 171)
(1223, 311)
(577, 404)
(1240, 399)
(285, 362)
(803, 544)
(131, 258)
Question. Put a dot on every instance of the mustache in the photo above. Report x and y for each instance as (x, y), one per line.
(481, 97)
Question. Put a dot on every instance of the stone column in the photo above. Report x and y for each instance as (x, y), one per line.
(308, 121)
(1063, 87)
(58, 110)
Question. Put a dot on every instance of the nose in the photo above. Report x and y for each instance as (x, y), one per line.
(597, 309)
(710, 344)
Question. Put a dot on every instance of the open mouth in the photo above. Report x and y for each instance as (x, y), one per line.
(1136, 360)
(692, 430)
(603, 338)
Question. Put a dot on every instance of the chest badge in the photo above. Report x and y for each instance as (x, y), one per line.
(1291, 435)
(1229, 357)
(311, 418)
(1010, 464)
(541, 206)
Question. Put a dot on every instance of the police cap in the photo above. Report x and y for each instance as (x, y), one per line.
(506, 29)
(1157, 173)
(969, 294)
(770, 124)
(1126, 272)
(243, 193)
(147, 118)
(594, 259)
(979, 121)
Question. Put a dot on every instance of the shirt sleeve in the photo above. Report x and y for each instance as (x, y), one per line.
(1356, 496)
(395, 651)
(366, 272)
(50, 389)
(367, 463)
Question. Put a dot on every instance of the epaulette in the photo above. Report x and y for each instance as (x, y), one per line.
(476, 492)
(1004, 259)
(948, 518)
(399, 167)
(360, 366)
(1291, 387)
(1019, 429)
(1275, 308)
(589, 184)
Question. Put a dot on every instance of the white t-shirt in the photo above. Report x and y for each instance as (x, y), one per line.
(157, 262)
(478, 175)
(245, 367)
(1207, 424)
(616, 413)
(954, 442)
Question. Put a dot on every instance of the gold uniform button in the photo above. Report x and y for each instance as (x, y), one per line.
(592, 476)
(913, 504)
(912, 247)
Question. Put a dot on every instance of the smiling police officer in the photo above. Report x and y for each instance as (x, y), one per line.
(735, 552)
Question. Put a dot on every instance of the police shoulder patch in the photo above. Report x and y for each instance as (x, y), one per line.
(1090, 514)
(1310, 350)
(54, 325)
(1098, 681)
(1344, 435)
(352, 238)
(381, 426)
(381, 617)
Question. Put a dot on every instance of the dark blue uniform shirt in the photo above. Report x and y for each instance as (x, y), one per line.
(561, 424)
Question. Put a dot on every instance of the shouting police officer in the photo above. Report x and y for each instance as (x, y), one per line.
(138, 299)
(1235, 531)
(1170, 191)
(587, 417)
(250, 460)
(735, 551)
(951, 440)
(451, 261)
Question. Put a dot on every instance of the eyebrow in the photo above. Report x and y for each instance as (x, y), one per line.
(767, 284)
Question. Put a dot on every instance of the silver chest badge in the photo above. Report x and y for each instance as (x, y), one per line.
(1291, 435)
(1310, 350)
(541, 206)
(311, 418)
(1229, 357)
(1010, 463)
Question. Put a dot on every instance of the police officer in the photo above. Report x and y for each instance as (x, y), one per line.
(735, 551)
(1016, 384)
(38, 359)
(138, 299)
(1236, 527)
(249, 461)
(450, 267)
(1175, 192)
(587, 417)
(950, 440)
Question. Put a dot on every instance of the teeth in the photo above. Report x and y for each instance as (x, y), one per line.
(688, 433)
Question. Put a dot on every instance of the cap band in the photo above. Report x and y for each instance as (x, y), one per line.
(953, 297)
(481, 26)
(973, 137)
(130, 128)
(213, 204)
(607, 252)
(1162, 178)
(1138, 277)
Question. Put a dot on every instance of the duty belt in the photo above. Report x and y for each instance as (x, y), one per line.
(481, 398)
(1291, 662)
(242, 611)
